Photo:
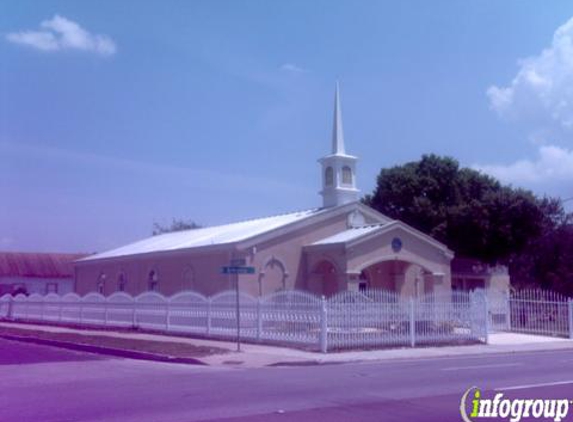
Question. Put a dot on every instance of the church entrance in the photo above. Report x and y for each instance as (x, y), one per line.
(405, 278)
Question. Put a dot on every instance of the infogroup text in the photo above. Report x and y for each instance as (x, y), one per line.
(474, 407)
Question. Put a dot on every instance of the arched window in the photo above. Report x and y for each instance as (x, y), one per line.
(273, 277)
(329, 176)
(101, 283)
(153, 281)
(346, 175)
(121, 282)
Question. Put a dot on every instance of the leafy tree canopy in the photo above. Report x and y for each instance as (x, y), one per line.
(176, 226)
(472, 213)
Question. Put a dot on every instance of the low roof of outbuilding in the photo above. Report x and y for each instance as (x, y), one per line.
(38, 265)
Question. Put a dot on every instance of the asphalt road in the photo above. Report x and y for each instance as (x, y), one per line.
(45, 384)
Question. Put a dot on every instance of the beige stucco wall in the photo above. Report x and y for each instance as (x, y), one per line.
(288, 251)
(283, 252)
(413, 250)
(388, 269)
(281, 262)
(170, 270)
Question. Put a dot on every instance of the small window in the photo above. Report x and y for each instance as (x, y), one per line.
(51, 288)
(153, 281)
(329, 176)
(101, 283)
(121, 282)
(346, 175)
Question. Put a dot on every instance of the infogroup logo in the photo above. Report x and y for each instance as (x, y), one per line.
(474, 407)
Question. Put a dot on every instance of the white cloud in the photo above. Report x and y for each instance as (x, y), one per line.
(540, 99)
(60, 33)
(291, 67)
(550, 172)
(542, 91)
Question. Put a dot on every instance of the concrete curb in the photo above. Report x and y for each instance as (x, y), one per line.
(496, 351)
(102, 350)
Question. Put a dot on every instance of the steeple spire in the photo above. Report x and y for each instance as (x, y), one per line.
(337, 131)
(338, 168)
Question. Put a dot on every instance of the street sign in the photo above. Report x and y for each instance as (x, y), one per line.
(238, 262)
(237, 270)
(238, 267)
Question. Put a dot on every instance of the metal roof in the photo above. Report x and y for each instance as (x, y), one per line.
(208, 236)
(353, 234)
(349, 235)
(40, 265)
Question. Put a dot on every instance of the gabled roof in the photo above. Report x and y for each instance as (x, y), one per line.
(349, 235)
(37, 265)
(208, 236)
(359, 234)
(242, 234)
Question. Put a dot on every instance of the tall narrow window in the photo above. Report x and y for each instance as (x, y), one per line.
(121, 282)
(346, 175)
(153, 281)
(329, 176)
(101, 283)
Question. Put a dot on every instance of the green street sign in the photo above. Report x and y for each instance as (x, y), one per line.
(237, 270)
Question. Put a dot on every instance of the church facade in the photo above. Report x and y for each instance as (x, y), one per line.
(343, 245)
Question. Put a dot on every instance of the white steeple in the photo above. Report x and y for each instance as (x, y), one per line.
(337, 131)
(338, 169)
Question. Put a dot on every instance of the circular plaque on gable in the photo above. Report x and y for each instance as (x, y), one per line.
(396, 244)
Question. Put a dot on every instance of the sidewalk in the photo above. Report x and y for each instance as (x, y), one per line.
(223, 353)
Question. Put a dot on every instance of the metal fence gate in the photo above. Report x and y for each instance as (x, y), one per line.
(499, 318)
(541, 312)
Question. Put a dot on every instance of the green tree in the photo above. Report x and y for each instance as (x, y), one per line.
(547, 261)
(472, 213)
(176, 226)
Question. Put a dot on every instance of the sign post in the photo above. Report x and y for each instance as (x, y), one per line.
(238, 313)
(238, 267)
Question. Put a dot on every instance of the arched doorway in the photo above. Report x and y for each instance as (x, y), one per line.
(408, 279)
(363, 281)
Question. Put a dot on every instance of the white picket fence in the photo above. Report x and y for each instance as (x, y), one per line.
(541, 312)
(374, 318)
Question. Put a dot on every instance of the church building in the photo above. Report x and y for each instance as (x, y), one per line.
(342, 245)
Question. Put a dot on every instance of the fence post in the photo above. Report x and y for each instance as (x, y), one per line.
(323, 326)
(259, 319)
(133, 314)
(81, 311)
(486, 312)
(208, 316)
(508, 310)
(10, 307)
(61, 303)
(42, 309)
(570, 307)
(412, 319)
(105, 312)
(168, 316)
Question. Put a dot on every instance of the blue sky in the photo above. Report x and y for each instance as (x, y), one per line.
(115, 115)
